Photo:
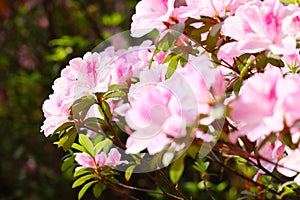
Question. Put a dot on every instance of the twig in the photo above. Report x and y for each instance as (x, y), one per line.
(162, 174)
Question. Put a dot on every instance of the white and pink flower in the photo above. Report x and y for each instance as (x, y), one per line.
(101, 159)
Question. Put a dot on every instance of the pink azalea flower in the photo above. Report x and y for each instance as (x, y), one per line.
(92, 73)
(85, 160)
(101, 159)
(257, 26)
(172, 104)
(152, 14)
(56, 113)
(271, 154)
(289, 165)
(288, 91)
(254, 110)
(114, 158)
(197, 8)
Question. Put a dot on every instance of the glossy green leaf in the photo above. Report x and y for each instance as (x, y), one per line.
(83, 171)
(84, 189)
(116, 94)
(172, 66)
(100, 145)
(128, 172)
(67, 140)
(64, 127)
(77, 147)
(82, 180)
(87, 144)
(117, 87)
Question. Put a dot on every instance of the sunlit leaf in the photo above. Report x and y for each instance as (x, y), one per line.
(83, 171)
(176, 170)
(84, 189)
(83, 179)
(128, 172)
(87, 144)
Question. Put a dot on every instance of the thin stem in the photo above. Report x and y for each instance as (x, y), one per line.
(163, 190)
(118, 141)
(147, 190)
(214, 158)
(119, 191)
(171, 185)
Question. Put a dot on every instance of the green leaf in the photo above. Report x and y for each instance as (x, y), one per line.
(64, 127)
(98, 189)
(172, 66)
(116, 94)
(87, 144)
(184, 59)
(167, 58)
(81, 106)
(67, 140)
(276, 62)
(213, 36)
(101, 145)
(82, 180)
(84, 189)
(193, 151)
(207, 19)
(118, 87)
(106, 109)
(68, 163)
(95, 124)
(176, 170)
(83, 171)
(128, 172)
(261, 61)
(237, 86)
(77, 147)
(201, 166)
(241, 61)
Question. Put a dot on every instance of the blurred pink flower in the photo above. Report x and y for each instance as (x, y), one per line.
(43, 22)
(288, 90)
(211, 8)
(254, 110)
(266, 103)
(271, 154)
(150, 14)
(289, 165)
(258, 26)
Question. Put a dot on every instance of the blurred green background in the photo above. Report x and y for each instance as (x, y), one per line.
(37, 39)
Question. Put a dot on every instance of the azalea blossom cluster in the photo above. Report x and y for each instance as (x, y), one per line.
(172, 104)
(235, 61)
(254, 25)
(267, 104)
(101, 159)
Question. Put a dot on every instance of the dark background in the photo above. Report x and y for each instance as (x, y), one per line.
(37, 39)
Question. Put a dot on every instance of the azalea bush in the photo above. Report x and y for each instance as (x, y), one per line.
(197, 89)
